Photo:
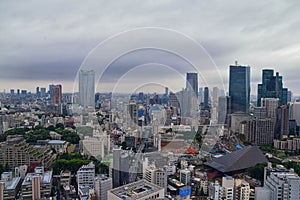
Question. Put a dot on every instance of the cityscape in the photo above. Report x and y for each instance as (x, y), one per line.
(151, 109)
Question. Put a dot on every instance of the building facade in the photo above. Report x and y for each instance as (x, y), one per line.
(239, 88)
(87, 88)
(102, 185)
(271, 87)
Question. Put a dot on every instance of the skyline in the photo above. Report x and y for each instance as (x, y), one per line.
(41, 46)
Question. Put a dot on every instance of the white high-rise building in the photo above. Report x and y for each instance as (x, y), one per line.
(87, 88)
(86, 175)
(93, 146)
(283, 185)
(158, 176)
(215, 191)
(102, 185)
(295, 112)
(228, 187)
(262, 193)
(242, 190)
(185, 176)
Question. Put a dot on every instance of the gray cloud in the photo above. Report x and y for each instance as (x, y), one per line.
(48, 40)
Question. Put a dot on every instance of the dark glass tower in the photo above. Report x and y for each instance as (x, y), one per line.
(239, 88)
(192, 82)
(206, 97)
(271, 87)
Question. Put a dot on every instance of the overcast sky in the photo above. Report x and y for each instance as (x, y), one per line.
(45, 42)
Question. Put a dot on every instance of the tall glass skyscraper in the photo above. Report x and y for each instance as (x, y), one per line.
(192, 82)
(87, 88)
(239, 88)
(271, 87)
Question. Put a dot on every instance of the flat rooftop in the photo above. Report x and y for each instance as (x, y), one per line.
(135, 190)
(11, 185)
(57, 142)
(46, 178)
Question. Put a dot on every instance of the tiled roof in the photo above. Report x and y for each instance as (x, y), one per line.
(238, 160)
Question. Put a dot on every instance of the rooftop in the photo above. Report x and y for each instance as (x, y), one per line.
(135, 190)
(11, 185)
(58, 142)
(238, 160)
(45, 178)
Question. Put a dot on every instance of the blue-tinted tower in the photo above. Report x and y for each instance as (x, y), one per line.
(239, 88)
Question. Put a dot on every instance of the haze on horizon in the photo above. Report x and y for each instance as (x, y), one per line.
(46, 42)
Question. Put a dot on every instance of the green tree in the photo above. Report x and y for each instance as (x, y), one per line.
(51, 128)
(257, 171)
(59, 126)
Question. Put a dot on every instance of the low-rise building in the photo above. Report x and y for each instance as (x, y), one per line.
(37, 185)
(60, 146)
(139, 190)
(9, 187)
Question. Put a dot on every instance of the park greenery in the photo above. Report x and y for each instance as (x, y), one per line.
(257, 171)
(73, 161)
(42, 133)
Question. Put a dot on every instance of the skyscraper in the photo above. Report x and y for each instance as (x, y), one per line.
(87, 88)
(120, 168)
(271, 87)
(192, 82)
(56, 94)
(206, 97)
(239, 88)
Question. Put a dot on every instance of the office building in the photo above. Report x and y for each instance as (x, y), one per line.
(224, 109)
(295, 112)
(228, 187)
(93, 146)
(260, 131)
(56, 97)
(215, 191)
(102, 185)
(239, 88)
(120, 171)
(173, 100)
(86, 175)
(206, 97)
(292, 144)
(272, 87)
(87, 88)
(37, 185)
(132, 113)
(262, 193)
(37, 91)
(283, 185)
(282, 121)
(192, 82)
(242, 189)
(12, 92)
(215, 96)
(231, 189)
(155, 175)
(16, 152)
(260, 128)
(139, 190)
(43, 92)
(9, 186)
(185, 176)
(270, 105)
